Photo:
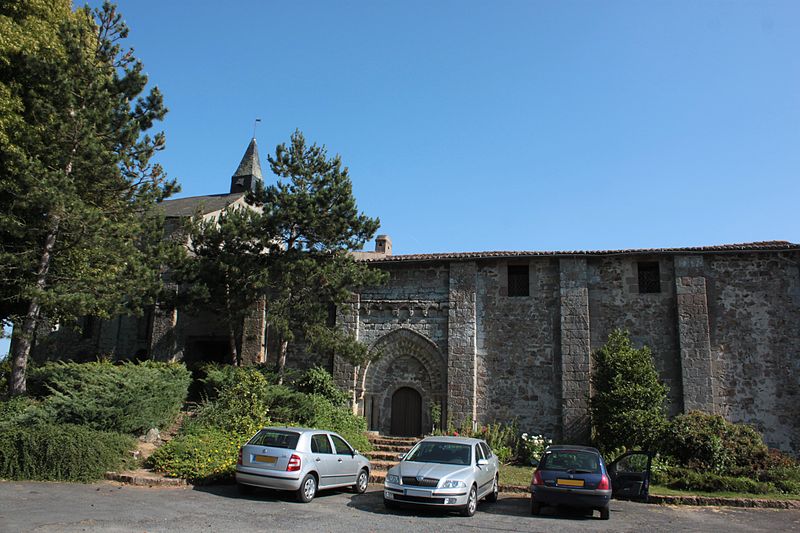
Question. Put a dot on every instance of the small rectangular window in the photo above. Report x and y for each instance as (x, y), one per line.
(649, 277)
(518, 284)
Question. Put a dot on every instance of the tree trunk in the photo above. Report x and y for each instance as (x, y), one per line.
(282, 360)
(22, 338)
(232, 345)
(354, 400)
(234, 353)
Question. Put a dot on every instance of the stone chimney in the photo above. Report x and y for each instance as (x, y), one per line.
(383, 245)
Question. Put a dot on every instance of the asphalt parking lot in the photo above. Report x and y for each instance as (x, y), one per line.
(44, 507)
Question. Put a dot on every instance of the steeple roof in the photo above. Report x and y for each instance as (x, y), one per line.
(249, 170)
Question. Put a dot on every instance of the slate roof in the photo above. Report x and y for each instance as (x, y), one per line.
(186, 207)
(251, 163)
(764, 246)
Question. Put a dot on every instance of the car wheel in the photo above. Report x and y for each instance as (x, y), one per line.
(245, 489)
(604, 513)
(308, 489)
(536, 508)
(492, 497)
(361, 482)
(472, 502)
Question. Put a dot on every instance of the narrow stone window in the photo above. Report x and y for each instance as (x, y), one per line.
(518, 284)
(649, 277)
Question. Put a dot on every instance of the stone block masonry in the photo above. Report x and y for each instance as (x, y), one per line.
(575, 351)
(694, 334)
(461, 352)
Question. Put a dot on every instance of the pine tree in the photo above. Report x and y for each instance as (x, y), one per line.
(79, 234)
(225, 271)
(313, 222)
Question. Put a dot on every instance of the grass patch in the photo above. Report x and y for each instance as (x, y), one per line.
(516, 475)
(666, 491)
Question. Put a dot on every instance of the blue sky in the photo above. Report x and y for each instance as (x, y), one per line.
(500, 125)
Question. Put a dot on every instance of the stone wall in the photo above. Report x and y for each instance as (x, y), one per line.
(517, 348)
(615, 302)
(754, 315)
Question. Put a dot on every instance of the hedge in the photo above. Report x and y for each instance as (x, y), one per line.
(205, 455)
(127, 398)
(60, 452)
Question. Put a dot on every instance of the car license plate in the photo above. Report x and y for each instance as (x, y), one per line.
(570, 482)
(269, 459)
(420, 493)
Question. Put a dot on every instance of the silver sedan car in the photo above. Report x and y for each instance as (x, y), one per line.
(446, 472)
(301, 460)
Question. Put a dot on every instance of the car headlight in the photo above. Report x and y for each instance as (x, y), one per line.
(453, 484)
(391, 478)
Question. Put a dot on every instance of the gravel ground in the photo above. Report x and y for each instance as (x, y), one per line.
(108, 506)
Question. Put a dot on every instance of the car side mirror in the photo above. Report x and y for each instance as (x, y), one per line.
(401, 456)
(534, 462)
(482, 462)
(355, 452)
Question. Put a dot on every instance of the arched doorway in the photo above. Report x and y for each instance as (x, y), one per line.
(406, 413)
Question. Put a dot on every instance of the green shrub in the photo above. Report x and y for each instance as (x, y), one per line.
(685, 479)
(319, 381)
(127, 398)
(628, 403)
(60, 452)
(206, 455)
(705, 442)
(241, 407)
(316, 411)
(22, 411)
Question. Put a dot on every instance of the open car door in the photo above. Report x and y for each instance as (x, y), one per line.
(630, 476)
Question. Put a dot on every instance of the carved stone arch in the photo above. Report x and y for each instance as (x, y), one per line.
(407, 359)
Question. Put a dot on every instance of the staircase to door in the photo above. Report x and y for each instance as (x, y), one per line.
(384, 454)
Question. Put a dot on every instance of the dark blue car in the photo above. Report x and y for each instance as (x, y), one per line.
(576, 476)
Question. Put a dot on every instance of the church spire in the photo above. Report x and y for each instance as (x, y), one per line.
(249, 170)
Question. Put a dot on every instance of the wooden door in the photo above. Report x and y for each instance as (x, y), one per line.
(406, 413)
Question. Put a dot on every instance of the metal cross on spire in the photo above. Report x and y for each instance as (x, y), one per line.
(255, 125)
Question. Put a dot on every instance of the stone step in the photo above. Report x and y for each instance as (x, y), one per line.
(383, 455)
(391, 448)
(394, 441)
(382, 465)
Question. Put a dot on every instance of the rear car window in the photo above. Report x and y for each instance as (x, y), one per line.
(574, 461)
(440, 452)
(276, 439)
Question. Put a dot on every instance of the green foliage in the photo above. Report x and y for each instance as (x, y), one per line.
(203, 455)
(216, 376)
(313, 222)
(60, 452)
(686, 479)
(246, 400)
(225, 271)
(319, 381)
(80, 233)
(707, 442)
(436, 415)
(628, 403)
(241, 407)
(127, 398)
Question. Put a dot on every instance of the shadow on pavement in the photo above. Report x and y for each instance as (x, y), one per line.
(260, 494)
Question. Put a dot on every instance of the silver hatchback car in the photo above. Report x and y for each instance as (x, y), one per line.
(301, 460)
(446, 472)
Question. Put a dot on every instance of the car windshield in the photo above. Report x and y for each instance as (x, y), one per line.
(440, 452)
(573, 461)
(275, 439)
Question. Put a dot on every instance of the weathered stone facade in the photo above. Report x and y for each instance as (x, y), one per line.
(723, 324)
